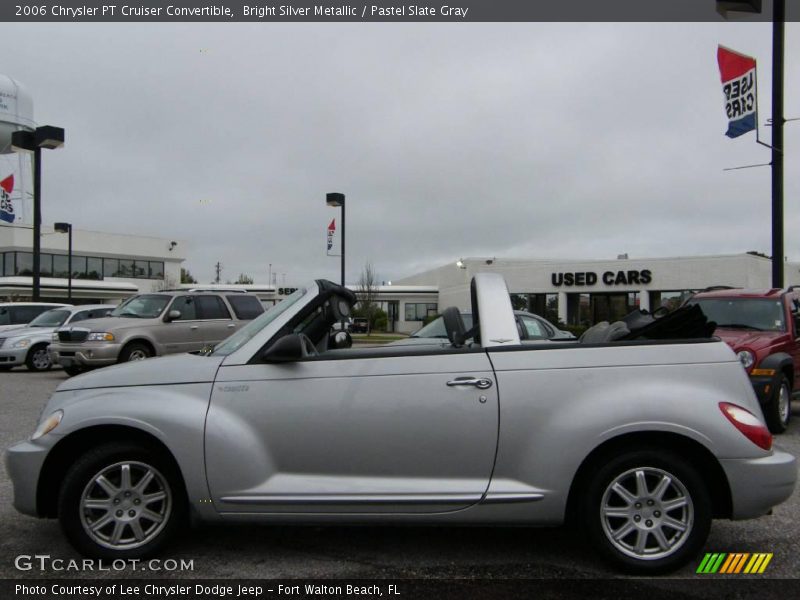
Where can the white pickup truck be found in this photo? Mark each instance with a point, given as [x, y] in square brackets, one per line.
[641, 443]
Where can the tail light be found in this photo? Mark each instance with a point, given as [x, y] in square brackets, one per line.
[750, 425]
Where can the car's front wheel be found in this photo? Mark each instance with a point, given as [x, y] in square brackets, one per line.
[135, 351]
[121, 501]
[38, 358]
[778, 409]
[648, 511]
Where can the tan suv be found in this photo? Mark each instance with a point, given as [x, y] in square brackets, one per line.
[153, 325]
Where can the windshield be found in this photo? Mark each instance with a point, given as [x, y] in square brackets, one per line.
[744, 313]
[146, 306]
[435, 329]
[51, 318]
[246, 333]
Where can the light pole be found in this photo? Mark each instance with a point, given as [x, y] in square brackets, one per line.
[67, 228]
[336, 199]
[51, 138]
[778, 20]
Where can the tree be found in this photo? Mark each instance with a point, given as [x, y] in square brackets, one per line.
[244, 279]
[186, 276]
[367, 294]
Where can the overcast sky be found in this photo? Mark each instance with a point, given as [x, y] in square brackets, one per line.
[449, 140]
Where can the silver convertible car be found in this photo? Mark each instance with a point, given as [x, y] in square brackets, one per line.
[641, 443]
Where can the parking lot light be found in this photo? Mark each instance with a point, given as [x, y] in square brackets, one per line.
[50, 137]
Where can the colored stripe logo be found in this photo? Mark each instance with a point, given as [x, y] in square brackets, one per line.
[734, 563]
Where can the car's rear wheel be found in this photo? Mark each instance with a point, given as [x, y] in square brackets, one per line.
[135, 351]
[648, 511]
[38, 358]
[121, 501]
[778, 410]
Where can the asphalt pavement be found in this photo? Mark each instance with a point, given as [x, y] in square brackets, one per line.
[246, 551]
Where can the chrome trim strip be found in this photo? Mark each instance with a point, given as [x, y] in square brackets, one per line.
[510, 497]
[353, 499]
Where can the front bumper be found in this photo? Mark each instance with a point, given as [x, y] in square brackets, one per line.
[13, 356]
[24, 465]
[97, 354]
[764, 387]
[758, 484]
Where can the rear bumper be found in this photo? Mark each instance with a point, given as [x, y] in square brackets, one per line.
[759, 484]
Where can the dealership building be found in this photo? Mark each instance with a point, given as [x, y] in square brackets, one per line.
[584, 292]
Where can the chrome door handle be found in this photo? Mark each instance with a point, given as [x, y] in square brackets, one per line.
[193, 327]
[482, 383]
[232, 325]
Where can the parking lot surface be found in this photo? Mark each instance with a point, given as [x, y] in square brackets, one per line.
[361, 552]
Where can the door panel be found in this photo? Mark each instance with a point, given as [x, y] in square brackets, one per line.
[368, 435]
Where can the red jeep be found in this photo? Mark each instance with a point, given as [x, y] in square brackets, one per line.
[762, 328]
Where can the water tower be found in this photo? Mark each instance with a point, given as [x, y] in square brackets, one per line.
[16, 113]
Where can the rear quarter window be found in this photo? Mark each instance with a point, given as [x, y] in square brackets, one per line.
[245, 307]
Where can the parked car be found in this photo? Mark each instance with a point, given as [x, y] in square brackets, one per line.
[154, 324]
[641, 442]
[28, 345]
[14, 315]
[761, 326]
[530, 327]
[359, 325]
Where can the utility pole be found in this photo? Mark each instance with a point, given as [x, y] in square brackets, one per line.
[218, 268]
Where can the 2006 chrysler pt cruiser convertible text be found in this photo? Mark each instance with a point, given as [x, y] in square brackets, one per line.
[639, 442]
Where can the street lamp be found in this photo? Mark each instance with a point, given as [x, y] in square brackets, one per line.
[51, 138]
[336, 199]
[67, 228]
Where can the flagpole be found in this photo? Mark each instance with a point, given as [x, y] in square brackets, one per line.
[778, 18]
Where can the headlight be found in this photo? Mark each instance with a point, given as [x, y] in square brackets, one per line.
[103, 336]
[747, 358]
[21, 344]
[48, 424]
[54, 337]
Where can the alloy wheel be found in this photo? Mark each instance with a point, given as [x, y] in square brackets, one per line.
[125, 505]
[647, 513]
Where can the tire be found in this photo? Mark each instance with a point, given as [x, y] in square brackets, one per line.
[159, 508]
[72, 371]
[38, 359]
[778, 410]
[615, 501]
[135, 351]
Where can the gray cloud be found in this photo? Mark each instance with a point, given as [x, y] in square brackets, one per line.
[538, 140]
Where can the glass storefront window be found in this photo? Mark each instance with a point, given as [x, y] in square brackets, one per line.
[24, 263]
[46, 265]
[125, 268]
[156, 270]
[94, 268]
[110, 267]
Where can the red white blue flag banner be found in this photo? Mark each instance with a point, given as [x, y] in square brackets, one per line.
[738, 74]
[331, 235]
[6, 204]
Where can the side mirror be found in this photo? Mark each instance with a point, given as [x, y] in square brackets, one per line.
[173, 315]
[796, 323]
[289, 348]
[342, 339]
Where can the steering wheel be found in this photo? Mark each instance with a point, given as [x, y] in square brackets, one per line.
[307, 346]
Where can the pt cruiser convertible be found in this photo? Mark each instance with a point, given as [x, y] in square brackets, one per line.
[641, 443]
